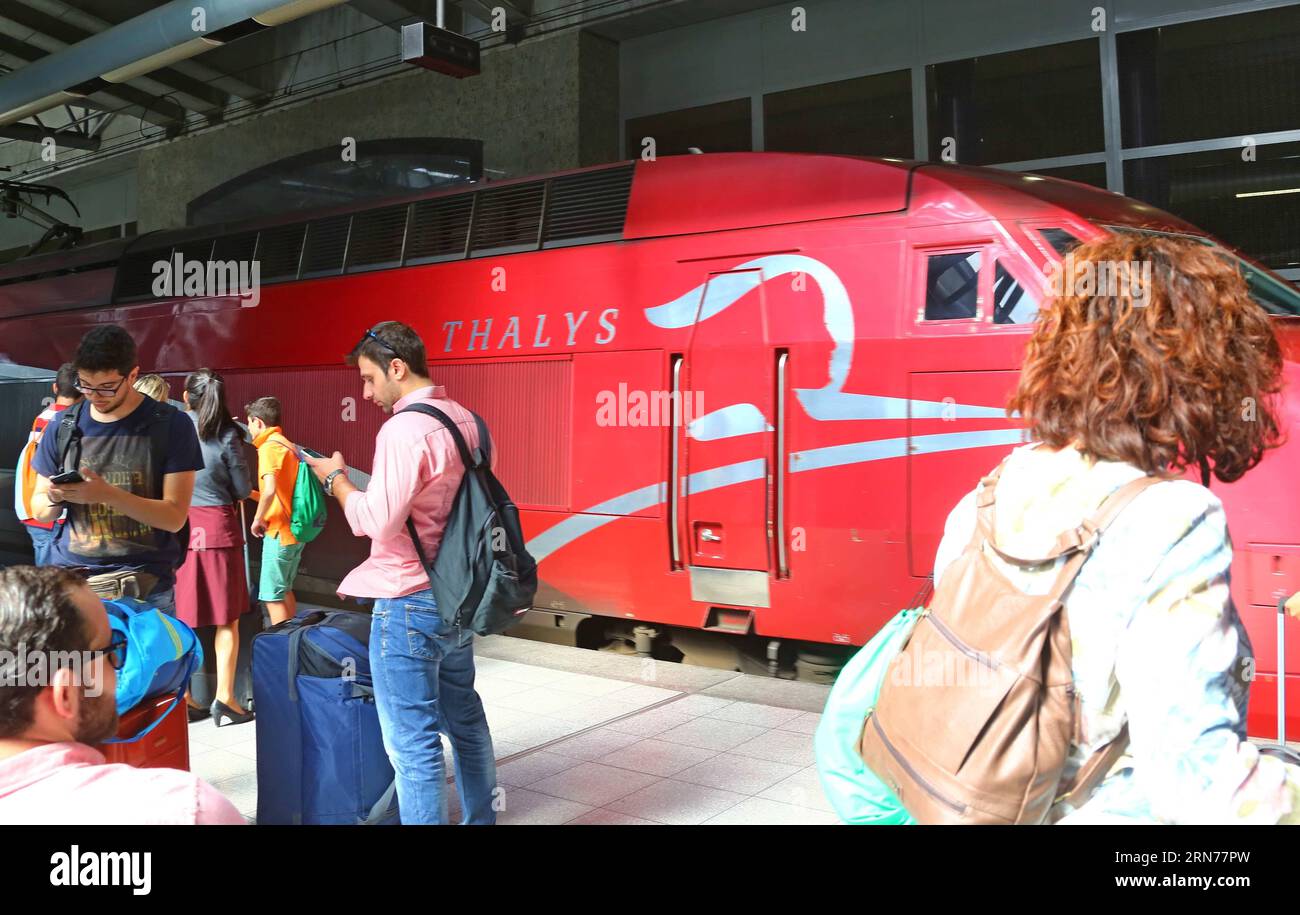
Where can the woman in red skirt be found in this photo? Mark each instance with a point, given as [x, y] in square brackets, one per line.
[211, 589]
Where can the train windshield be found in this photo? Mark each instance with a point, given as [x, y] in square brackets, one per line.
[1273, 295]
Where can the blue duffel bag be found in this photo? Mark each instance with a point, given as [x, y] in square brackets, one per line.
[320, 754]
[162, 654]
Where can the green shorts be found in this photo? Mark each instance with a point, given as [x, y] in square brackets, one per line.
[279, 567]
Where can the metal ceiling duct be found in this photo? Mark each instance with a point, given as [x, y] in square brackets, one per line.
[151, 40]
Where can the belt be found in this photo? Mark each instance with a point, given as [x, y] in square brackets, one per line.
[116, 585]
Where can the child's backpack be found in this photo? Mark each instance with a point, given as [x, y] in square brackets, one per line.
[977, 714]
[308, 516]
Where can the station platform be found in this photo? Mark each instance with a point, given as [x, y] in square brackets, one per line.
[588, 738]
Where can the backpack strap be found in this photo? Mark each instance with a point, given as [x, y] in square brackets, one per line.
[485, 451]
[67, 437]
[1095, 768]
[1079, 538]
[485, 444]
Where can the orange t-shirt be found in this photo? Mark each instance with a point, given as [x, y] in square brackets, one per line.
[276, 455]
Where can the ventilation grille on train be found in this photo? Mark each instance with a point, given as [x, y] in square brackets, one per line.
[588, 207]
[439, 229]
[135, 273]
[584, 208]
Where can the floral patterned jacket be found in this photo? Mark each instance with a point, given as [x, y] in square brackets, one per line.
[1157, 641]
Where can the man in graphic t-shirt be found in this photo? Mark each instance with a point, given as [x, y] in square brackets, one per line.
[138, 458]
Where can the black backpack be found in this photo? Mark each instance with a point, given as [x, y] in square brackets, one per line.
[482, 577]
[67, 445]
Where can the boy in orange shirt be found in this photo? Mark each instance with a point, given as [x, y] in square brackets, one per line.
[277, 472]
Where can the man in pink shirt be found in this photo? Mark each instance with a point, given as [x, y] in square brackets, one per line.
[58, 686]
[423, 669]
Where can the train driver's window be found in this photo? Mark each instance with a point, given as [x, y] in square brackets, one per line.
[1012, 303]
[1061, 240]
[952, 286]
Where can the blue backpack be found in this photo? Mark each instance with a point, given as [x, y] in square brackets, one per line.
[162, 654]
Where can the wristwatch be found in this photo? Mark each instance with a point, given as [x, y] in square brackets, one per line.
[329, 481]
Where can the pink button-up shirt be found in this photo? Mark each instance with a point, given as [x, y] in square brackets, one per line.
[71, 783]
[416, 473]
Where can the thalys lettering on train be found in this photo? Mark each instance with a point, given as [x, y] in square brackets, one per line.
[831, 339]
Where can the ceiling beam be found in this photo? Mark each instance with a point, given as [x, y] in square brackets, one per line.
[69, 139]
[192, 93]
[201, 72]
[124, 98]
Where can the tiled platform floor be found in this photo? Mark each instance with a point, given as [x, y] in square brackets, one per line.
[593, 738]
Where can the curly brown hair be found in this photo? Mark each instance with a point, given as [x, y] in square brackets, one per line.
[1174, 369]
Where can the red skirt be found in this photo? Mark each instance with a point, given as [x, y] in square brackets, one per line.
[211, 589]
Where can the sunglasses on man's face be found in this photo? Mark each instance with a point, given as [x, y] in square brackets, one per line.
[115, 651]
[101, 390]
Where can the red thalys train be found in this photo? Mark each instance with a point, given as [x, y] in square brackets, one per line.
[737, 392]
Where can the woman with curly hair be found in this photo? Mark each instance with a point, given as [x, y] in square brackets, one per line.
[1151, 360]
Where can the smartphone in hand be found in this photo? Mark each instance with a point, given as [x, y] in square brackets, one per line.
[72, 476]
[315, 455]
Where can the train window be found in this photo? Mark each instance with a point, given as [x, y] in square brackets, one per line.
[1062, 242]
[1012, 303]
[952, 286]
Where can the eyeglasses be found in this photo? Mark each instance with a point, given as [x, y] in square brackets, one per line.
[116, 650]
[102, 390]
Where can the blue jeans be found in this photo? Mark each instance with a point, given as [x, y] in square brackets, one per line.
[162, 600]
[424, 685]
[42, 542]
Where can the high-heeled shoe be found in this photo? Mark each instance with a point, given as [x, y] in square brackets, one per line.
[197, 712]
[220, 710]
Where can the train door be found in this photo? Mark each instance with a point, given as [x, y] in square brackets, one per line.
[727, 441]
[973, 299]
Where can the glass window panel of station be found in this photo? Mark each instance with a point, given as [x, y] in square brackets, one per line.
[1094, 174]
[1244, 203]
[866, 116]
[1031, 104]
[721, 127]
[1223, 77]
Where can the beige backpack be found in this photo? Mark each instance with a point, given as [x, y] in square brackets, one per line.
[977, 714]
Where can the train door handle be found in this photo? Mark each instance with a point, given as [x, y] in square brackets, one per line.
[708, 536]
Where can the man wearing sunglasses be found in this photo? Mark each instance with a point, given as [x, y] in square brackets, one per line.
[58, 699]
[138, 459]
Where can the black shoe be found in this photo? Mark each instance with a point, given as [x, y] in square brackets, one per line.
[197, 713]
[220, 710]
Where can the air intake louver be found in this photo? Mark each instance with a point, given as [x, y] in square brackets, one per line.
[279, 250]
[582, 208]
[439, 229]
[377, 238]
[507, 219]
[327, 241]
[135, 274]
[587, 207]
[240, 247]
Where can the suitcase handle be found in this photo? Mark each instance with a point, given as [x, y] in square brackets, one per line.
[1281, 671]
